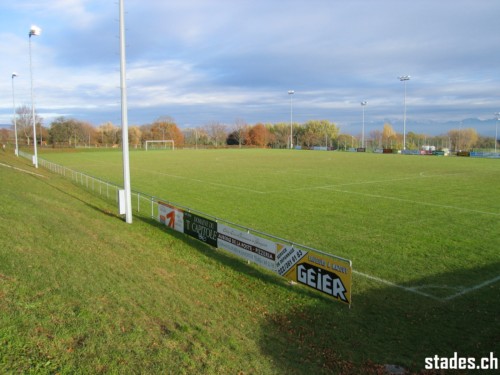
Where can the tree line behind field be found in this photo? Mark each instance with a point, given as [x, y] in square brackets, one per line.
[69, 132]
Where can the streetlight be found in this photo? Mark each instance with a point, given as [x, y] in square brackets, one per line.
[497, 114]
[459, 133]
[34, 31]
[404, 79]
[363, 104]
[125, 150]
[14, 109]
[291, 92]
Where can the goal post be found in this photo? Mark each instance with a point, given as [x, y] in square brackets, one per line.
[167, 144]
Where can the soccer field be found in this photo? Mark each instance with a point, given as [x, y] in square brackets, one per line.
[415, 222]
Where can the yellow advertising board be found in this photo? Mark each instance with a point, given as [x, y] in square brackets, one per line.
[325, 273]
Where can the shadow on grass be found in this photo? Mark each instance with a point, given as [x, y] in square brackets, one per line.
[78, 198]
[384, 325]
[387, 326]
[226, 259]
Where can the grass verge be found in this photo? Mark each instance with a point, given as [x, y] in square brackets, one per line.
[83, 292]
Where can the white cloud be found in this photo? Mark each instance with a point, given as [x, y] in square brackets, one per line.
[238, 58]
[78, 13]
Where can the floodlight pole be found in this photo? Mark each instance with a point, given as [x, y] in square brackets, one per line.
[497, 114]
[291, 92]
[459, 134]
[404, 79]
[125, 146]
[16, 151]
[363, 104]
[34, 31]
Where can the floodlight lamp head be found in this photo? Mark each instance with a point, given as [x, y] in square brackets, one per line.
[35, 30]
[291, 92]
[14, 75]
[404, 78]
[364, 102]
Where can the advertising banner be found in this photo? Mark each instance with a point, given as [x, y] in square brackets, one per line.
[248, 246]
[200, 228]
[287, 258]
[171, 216]
[324, 273]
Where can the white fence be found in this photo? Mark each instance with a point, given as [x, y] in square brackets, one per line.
[142, 203]
[146, 205]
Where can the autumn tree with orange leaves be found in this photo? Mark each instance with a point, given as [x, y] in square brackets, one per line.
[259, 135]
[163, 129]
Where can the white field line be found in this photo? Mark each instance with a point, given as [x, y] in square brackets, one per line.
[417, 202]
[23, 170]
[408, 289]
[476, 287]
[421, 175]
[417, 291]
[208, 182]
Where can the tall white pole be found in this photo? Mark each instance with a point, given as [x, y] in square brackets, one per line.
[291, 92]
[125, 146]
[35, 30]
[404, 120]
[459, 133]
[404, 79]
[496, 130]
[14, 109]
[363, 103]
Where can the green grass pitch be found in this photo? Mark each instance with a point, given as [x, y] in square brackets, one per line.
[414, 221]
[81, 291]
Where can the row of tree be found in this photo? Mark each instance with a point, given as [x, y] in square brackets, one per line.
[69, 132]
[455, 139]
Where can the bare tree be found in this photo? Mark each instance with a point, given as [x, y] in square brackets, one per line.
[24, 122]
[240, 131]
[108, 133]
[134, 135]
[376, 136]
[217, 132]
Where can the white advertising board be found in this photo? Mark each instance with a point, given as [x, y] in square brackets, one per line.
[248, 246]
[170, 216]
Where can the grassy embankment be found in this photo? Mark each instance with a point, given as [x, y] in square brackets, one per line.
[81, 291]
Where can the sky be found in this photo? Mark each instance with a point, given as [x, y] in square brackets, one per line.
[205, 61]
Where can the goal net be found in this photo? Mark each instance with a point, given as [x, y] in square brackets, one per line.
[167, 144]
